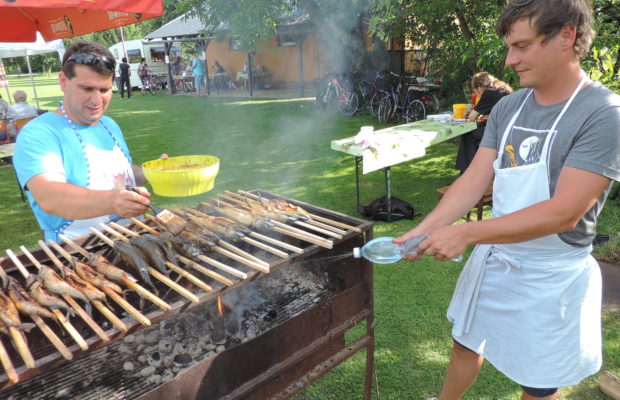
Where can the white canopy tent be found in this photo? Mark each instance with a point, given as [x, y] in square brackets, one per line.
[9, 50]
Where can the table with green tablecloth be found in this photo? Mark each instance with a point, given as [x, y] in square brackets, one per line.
[391, 146]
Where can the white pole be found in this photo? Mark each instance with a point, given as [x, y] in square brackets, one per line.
[123, 42]
[36, 98]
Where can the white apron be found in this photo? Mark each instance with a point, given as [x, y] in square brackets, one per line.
[532, 309]
[107, 170]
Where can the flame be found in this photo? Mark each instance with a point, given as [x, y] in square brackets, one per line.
[219, 305]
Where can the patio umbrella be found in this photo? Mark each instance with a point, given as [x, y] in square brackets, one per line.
[56, 19]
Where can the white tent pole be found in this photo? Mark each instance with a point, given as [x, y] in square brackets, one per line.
[36, 98]
[8, 95]
[123, 42]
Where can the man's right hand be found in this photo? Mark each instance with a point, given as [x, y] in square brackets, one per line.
[128, 203]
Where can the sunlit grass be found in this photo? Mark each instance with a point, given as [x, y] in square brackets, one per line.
[284, 146]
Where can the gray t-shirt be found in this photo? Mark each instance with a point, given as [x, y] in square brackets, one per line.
[587, 137]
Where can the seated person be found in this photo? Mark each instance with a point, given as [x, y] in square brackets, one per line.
[218, 68]
[4, 108]
[21, 109]
[489, 90]
[245, 68]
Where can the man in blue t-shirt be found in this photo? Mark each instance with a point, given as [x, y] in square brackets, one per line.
[74, 162]
[198, 71]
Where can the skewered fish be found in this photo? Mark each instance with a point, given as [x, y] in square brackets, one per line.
[166, 247]
[242, 215]
[152, 252]
[93, 277]
[55, 284]
[43, 297]
[201, 242]
[8, 311]
[103, 266]
[134, 258]
[222, 226]
[182, 245]
[90, 291]
[24, 302]
[285, 207]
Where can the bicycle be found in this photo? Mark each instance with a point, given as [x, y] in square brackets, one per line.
[340, 97]
[370, 93]
[402, 102]
[424, 91]
[152, 84]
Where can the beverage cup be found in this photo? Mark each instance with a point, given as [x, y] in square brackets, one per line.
[459, 111]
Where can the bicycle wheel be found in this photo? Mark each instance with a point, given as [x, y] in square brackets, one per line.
[385, 111]
[415, 111]
[347, 102]
[375, 98]
[432, 104]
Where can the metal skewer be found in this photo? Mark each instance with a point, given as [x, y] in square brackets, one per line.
[78, 309]
[125, 281]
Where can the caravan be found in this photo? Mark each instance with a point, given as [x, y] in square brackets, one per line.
[154, 54]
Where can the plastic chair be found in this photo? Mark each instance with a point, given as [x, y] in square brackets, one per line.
[19, 123]
[5, 134]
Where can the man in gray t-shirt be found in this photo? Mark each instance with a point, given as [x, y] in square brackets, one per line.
[529, 298]
[586, 138]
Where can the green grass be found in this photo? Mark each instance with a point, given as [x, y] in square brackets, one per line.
[284, 146]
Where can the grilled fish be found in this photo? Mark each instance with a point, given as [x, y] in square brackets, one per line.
[242, 215]
[103, 266]
[182, 245]
[134, 258]
[55, 284]
[87, 273]
[166, 247]
[8, 311]
[151, 252]
[43, 297]
[24, 302]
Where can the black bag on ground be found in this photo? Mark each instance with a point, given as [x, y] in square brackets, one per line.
[377, 209]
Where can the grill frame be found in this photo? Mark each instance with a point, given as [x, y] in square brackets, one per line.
[294, 364]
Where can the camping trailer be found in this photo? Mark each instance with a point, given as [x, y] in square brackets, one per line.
[154, 54]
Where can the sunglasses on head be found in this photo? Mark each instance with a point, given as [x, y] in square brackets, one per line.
[92, 59]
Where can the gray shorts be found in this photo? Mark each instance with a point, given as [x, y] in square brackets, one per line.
[199, 81]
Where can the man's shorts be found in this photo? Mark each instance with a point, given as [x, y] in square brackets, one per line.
[199, 81]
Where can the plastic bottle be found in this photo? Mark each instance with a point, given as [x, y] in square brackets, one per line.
[382, 250]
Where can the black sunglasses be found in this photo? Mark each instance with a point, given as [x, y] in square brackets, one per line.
[92, 59]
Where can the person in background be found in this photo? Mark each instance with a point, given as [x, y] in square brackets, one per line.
[125, 73]
[489, 90]
[73, 162]
[218, 68]
[176, 66]
[143, 72]
[20, 109]
[529, 298]
[4, 108]
[198, 71]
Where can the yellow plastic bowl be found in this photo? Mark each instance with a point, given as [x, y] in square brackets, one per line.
[182, 176]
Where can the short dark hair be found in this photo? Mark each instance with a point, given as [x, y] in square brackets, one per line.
[124, 59]
[83, 46]
[549, 17]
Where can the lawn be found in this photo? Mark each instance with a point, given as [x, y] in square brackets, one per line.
[284, 146]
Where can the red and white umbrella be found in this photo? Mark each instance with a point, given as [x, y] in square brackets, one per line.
[20, 20]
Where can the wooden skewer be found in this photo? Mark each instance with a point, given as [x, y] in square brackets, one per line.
[156, 274]
[246, 239]
[279, 243]
[265, 247]
[206, 271]
[326, 226]
[11, 374]
[242, 253]
[19, 339]
[127, 282]
[109, 292]
[223, 267]
[47, 331]
[131, 284]
[300, 234]
[78, 309]
[110, 316]
[311, 215]
[144, 226]
[189, 277]
[242, 260]
[318, 229]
